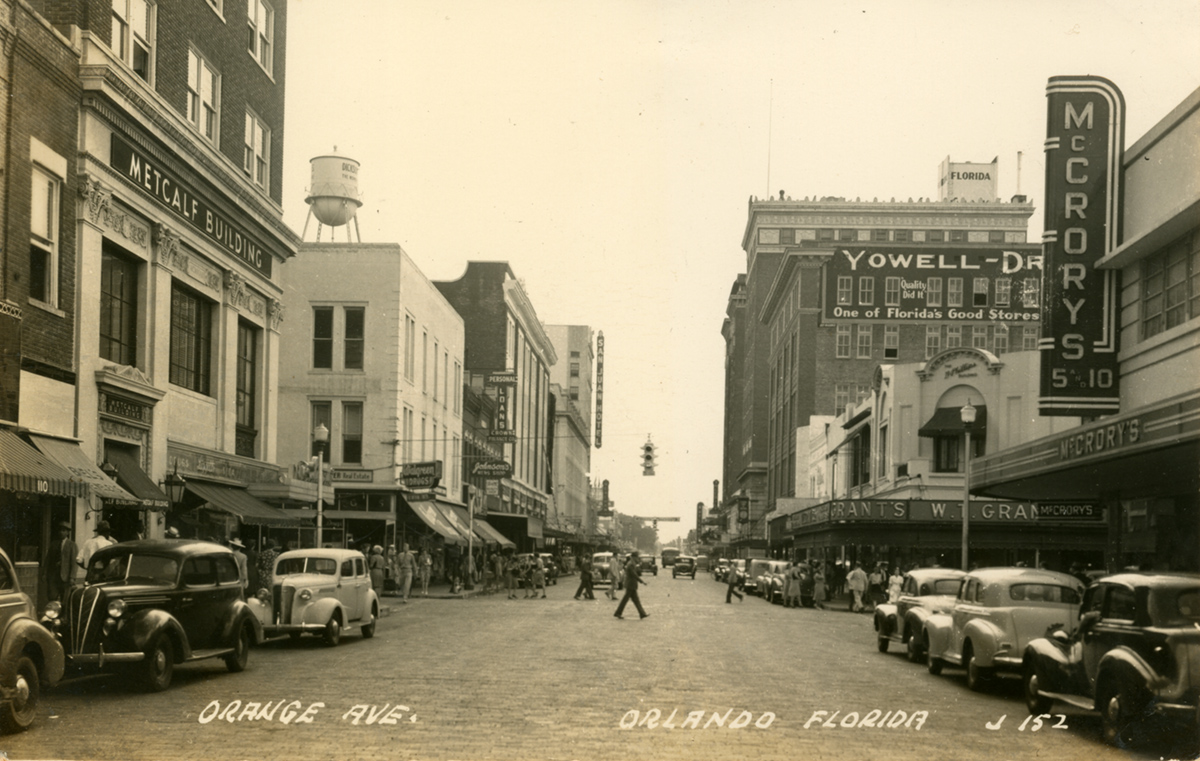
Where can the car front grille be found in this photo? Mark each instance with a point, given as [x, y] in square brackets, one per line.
[87, 608]
[282, 598]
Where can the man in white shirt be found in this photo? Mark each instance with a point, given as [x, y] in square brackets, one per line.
[103, 538]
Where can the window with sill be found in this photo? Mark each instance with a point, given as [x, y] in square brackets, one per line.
[118, 305]
[1171, 286]
[191, 339]
[260, 23]
[247, 385]
[46, 196]
[355, 341]
[133, 34]
[352, 433]
[203, 96]
[256, 159]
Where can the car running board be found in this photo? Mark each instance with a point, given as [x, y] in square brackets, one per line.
[1074, 700]
[212, 652]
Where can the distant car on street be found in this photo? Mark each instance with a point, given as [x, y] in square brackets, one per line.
[1135, 653]
[925, 592]
[30, 656]
[772, 581]
[702, 562]
[719, 568]
[685, 565]
[319, 591]
[600, 574]
[668, 557]
[755, 568]
[153, 603]
[996, 613]
[649, 565]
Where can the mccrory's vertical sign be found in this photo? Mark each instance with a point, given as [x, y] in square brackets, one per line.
[1085, 136]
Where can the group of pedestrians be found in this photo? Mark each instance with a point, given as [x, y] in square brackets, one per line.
[869, 590]
[631, 579]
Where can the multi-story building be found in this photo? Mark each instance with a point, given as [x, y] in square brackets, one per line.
[832, 288]
[571, 386]
[376, 356]
[508, 356]
[1141, 462]
[170, 199]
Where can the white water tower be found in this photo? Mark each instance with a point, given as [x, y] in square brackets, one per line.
[333, 194]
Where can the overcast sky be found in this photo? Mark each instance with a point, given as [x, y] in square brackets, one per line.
[607, 151]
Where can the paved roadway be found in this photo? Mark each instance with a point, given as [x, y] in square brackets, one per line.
[488, 678]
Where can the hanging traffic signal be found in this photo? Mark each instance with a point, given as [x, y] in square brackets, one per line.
[648, 458]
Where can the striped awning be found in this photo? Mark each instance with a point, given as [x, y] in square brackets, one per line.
[24, 469]
[69, 455]
[237, 501]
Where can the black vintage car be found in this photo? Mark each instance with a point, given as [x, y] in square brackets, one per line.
[150, 604]
[1135, 653]
[29, 655]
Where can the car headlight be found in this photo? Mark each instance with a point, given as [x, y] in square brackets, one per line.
[52, 611]
[116, 608]
[305, 595]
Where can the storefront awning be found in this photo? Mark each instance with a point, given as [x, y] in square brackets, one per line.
[427, 511]
[69, 455]
[237, 501]
[947, 421]
[131, 476]
[553, 533]
[25, 469]
[457, 517]
[495, 537]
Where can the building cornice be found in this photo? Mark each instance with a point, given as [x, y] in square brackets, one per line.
[518, 302]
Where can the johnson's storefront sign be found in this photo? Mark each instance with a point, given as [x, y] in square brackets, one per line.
[1085, 134]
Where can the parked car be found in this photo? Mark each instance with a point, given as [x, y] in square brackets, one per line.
[737, 566]
[30, 656]
[155, 603]
[317, 591]
[649, 564]
[1135, 653]
[925, 592]
[755, 568]
[702, 562]
[685, 565]
[772, 581]
[996, 613]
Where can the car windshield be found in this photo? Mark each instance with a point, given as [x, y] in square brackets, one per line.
[324, 566]
[1043, 593]
[942, 587]
[129, 566]
[1176, 607]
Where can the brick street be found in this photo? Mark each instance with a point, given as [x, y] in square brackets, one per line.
[488, 678]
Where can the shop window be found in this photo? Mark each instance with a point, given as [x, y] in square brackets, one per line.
[933, 292]
[191, 339]
[843, 341]
[118, 306]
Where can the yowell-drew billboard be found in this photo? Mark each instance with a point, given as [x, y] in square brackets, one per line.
[868, 283]
[1085, 135]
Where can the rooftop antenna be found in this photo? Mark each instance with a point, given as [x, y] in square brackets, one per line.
[1019, 154]
[770, 123]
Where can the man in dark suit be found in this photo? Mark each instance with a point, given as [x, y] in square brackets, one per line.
[59, 564]
[633, 577]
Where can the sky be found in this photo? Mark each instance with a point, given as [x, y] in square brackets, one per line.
[607, 151]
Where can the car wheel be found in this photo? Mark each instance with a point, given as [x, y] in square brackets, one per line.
[1031, 683]
[236, 661]
[1118, 712]
[913, 648]
[932, 662]
[159, 665]
[333, 631]
[368, 630]
[18, 713]
[977, 675]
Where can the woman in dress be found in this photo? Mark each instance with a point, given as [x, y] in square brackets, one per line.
[895, 582]
[424, 570]
[376, 565]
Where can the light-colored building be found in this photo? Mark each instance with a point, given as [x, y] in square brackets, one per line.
[375, 354]
[572, 386]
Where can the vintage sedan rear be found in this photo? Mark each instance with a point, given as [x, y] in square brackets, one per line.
[318, 591]
[925, 592]
[151, 604]
[997, 612]
[1135, 654]
[30, 656]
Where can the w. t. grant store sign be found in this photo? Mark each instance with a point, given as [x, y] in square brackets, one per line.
[922, 523]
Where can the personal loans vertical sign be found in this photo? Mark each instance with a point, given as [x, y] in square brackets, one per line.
[1085, 135]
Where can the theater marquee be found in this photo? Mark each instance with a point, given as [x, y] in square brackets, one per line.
[1085, 134]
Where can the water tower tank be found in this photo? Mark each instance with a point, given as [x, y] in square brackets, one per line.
[333, 192]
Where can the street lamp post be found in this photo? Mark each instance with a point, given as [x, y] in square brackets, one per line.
[320, 438]
[968, 419]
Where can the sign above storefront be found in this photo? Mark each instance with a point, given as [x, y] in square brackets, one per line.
[868, 283]
[172, 193]
[501, 379]
[342, 474]
[492, 469]
[923, 510]
[1085, 136]
[421, 475]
